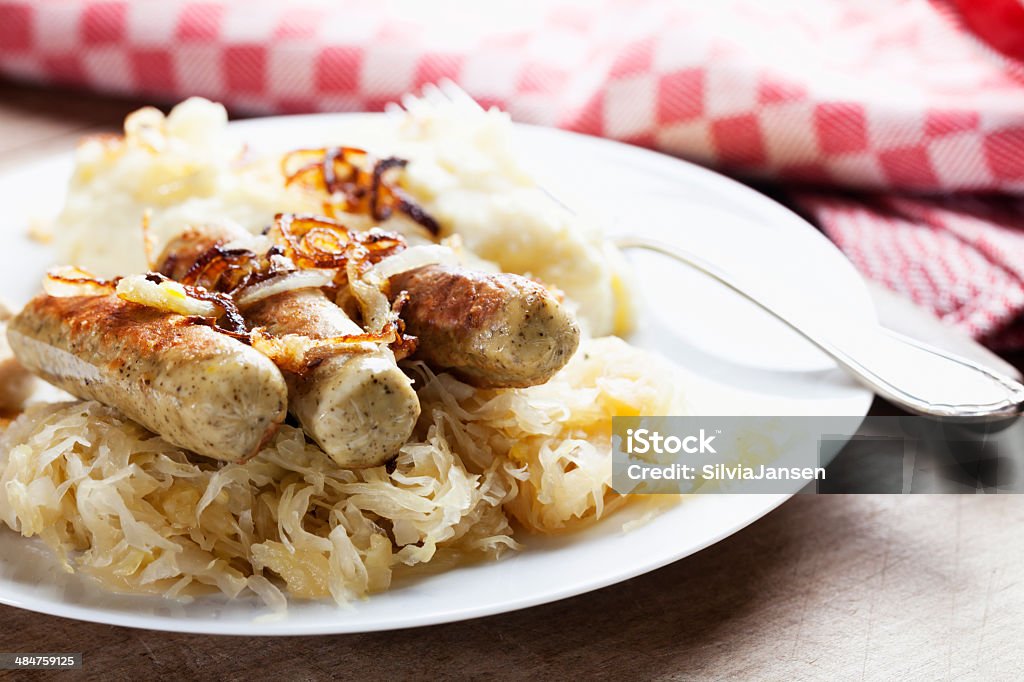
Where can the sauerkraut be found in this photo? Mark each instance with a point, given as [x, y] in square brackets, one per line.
[119, 504]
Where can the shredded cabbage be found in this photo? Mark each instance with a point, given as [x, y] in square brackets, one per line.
[558, 435]
[121, 505]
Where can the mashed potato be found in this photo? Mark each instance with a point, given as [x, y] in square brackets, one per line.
[183, 169]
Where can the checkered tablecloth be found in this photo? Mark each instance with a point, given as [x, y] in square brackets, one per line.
[893, 127]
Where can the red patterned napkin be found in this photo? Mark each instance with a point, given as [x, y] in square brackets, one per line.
[892, 102]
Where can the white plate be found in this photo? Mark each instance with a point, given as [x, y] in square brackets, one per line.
[737, 361]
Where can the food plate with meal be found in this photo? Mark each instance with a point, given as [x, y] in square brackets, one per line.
[352, 372]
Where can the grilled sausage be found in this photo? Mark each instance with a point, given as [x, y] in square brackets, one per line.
[192, 385]
[493, 330]
[359, 407]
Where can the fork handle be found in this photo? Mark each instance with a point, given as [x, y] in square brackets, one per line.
[919, 378]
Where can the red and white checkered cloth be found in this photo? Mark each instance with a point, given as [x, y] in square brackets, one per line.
[892, 98]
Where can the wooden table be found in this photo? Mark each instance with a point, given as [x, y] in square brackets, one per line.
[826, 587]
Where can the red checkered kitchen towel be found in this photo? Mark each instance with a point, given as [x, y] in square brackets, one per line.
[910, 127]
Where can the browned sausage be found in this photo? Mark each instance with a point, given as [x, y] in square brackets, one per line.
[358, 406]
[192, 385]
[493, 330]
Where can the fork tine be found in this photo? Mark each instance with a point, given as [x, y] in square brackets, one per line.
[444, 94]
[412, 103]
[434, 96]
[457, 95]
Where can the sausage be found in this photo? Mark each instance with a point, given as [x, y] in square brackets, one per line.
[359, 407]
[195, 387]
[493, 330]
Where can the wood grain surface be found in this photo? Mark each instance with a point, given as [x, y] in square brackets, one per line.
[824, 588]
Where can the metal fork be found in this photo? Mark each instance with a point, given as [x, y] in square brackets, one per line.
[918, 377]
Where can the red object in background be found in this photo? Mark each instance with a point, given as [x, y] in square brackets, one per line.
[1000, 23]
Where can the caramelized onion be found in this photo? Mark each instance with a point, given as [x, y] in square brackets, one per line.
[405, 345]
[164, 295]
[234, 323]
[299, 354]
[307, 252]
[354, 182]
[68, 281]
[317, 242]
[148, 240]
[300, 279]
[414, 258]
[223, 270]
